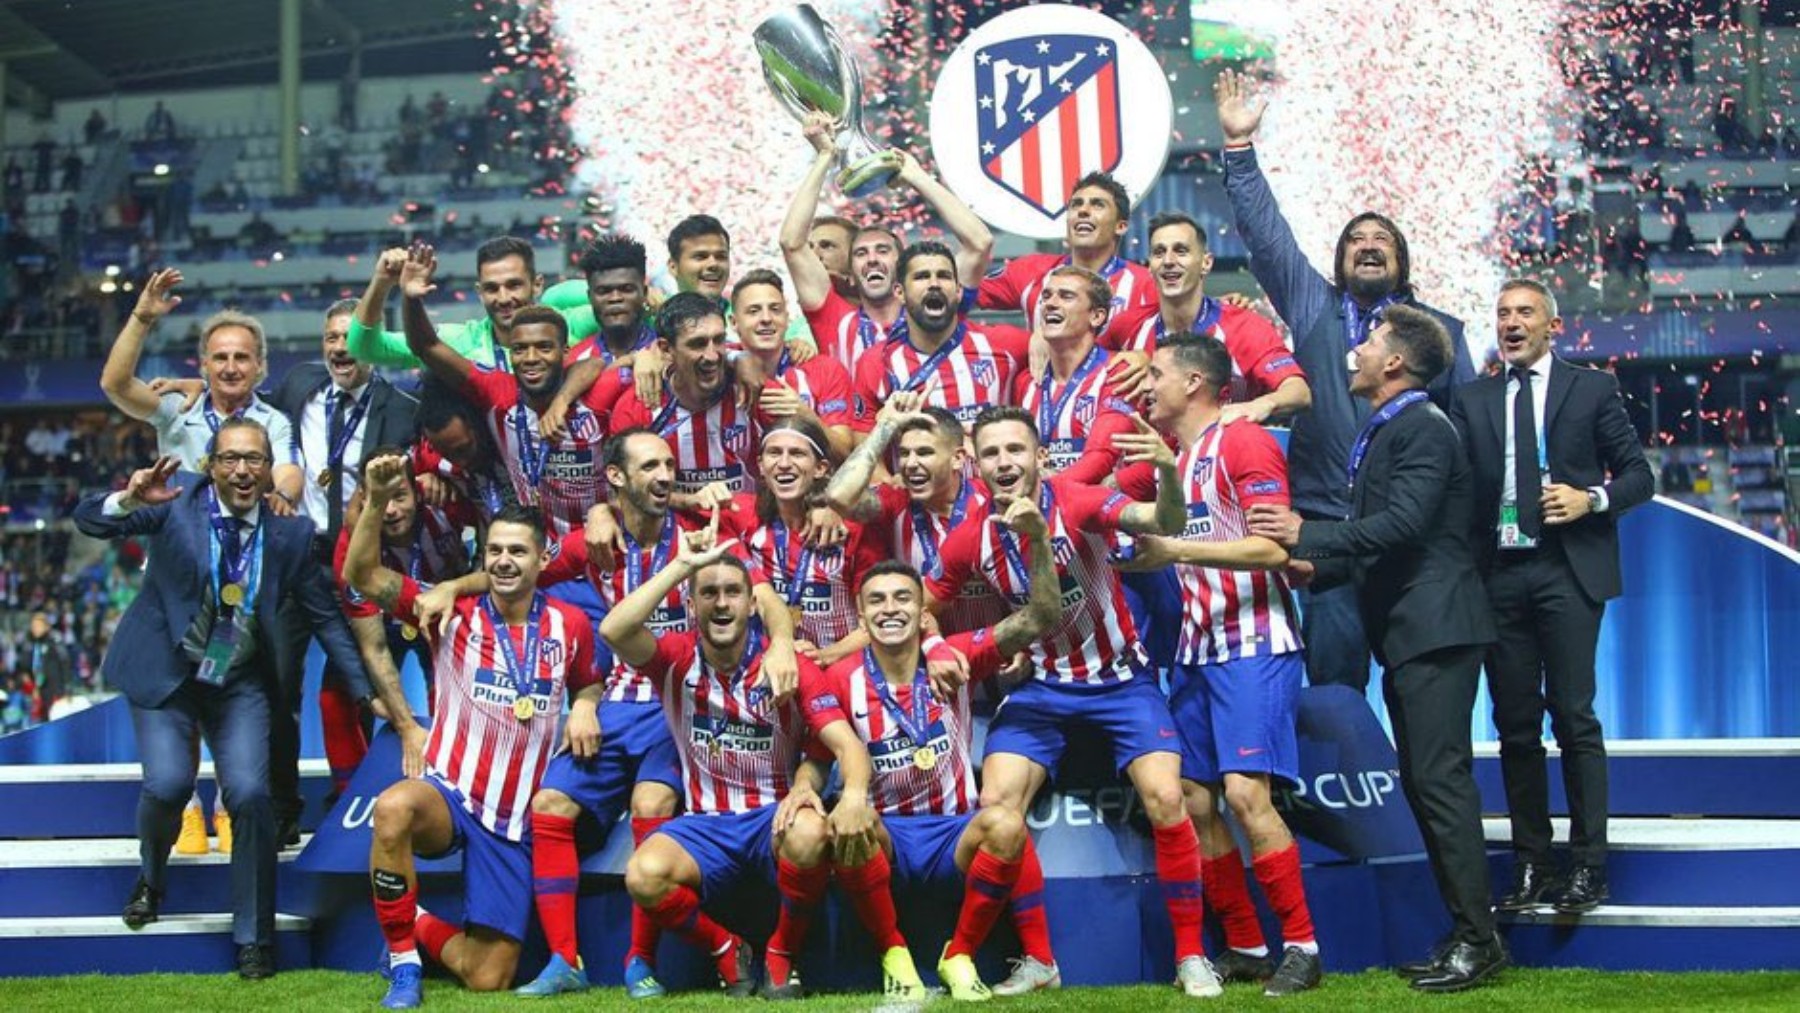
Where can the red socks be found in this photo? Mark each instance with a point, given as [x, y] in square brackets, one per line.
[801, 891]
[1227, 892]
[985, 893]
[555, 875]
[1178, 871]
[1028, 907]
[396, 915]
[680, 913]
[866, 887]
[341, 724]
[433, 934]
[645, 933]
[1279, 874]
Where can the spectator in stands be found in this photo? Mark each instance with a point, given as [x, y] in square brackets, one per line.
[160, 124]
[257, 233]
[71, 170]
[48, 661]
[42, 153]
[409, 112]
[179, 198]
[95, 127]
[15, 176]
[1733, 139]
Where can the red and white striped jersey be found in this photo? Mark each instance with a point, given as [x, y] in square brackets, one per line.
[477, 744]
[436, 555]
[827, 596]
[976, 604]
[823, 385]
[1228, 614]
[1019, 285]
[738, 750]
[973, 370]
[1260, 359]
[844, 332]
[1077, 418]
[565, 478]
[846, 692]
[1095, 642]
[716, 444]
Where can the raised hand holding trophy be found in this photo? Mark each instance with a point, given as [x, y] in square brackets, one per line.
[808, 69]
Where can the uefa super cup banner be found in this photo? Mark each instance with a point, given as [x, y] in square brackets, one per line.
[1038, 97]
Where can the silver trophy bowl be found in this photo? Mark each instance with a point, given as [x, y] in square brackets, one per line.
[809, 70]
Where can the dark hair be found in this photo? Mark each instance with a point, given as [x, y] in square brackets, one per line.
[732, 560]
[891, 566]
[614, 454]
[390, 450]
[693, 227]
[440, 404]
[814, 433]
[1113, 188]
[612, 252]
[760, 276]
[518, 513]
[923, 248]
[1004, 413]
[502, 247]
[1099, 290]
[940, 422]
[683, 310]
[1423, 343]
[1203, 354]
[883, 229]
[341, 307]
[1164, 219]
[538, 313]
[1401, 254]
[240, 422]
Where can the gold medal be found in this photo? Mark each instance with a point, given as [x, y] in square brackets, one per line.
[232, 594]
[713, 747]
[796, 613]
[523, 708]
[925, 758]
[325, 479]
[409, 631]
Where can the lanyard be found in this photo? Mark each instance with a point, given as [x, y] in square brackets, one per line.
[922, 532]
[666, 420]
[239, 567]
[923, 374]
[1210, 312]
[339, 441]
[916, 725]
[634, 553]
[1382, 417]
[1049, 412]
[1357, 324]
[1009, 545]
[778, 533]
[645, 335]
[752, 644]
[532, 452]
[212, 417]
[521, 676]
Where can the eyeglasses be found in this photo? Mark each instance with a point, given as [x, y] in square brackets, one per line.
[232, 461]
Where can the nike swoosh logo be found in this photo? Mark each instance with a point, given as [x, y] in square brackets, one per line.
[1167, 733]
[1248, 752]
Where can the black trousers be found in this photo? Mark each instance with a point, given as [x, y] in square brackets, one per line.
[294, 636]
[1430, 702]
[1544, 659]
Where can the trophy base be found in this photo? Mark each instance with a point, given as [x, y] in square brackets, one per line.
[869, 176]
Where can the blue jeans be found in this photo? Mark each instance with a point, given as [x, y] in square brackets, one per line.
[1337, 648]
[234, 719]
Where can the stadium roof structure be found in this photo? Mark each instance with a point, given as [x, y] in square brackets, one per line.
[56, 49]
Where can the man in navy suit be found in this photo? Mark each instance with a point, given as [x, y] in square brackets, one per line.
[195, 655]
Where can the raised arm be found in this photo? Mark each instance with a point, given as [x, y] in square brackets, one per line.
[363, 569]
[118, 377]
[1167, 515]
[626, 628]
[369, 340]
[1020, 629]
[421, 334]
[850, 491]
[812, 283]
[974, 242]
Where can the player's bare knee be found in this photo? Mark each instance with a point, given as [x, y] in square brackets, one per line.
[550, 802]
[807, 842]
[1248, 797]
[649, 876]
[1163, 802]
[391, 822]
[1002, 831]
[650, 803]
[492, 974]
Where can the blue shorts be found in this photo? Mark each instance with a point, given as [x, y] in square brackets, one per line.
[1237, 717]
[496, 871]
[634, 746]
[925, 846]
[1034, 719]
[726, 845]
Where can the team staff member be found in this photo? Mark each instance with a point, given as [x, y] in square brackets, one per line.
[1236, 682]
[1405, 549]
[504, 661]
[1328, 318]
[1556, 461]
[194, 655]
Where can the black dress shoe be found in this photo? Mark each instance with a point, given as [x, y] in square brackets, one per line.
[287, 832]
[1416, 968]
[1533, 883]
[1464, 965]
[255, 962]
[143, 906]
[1585, 890]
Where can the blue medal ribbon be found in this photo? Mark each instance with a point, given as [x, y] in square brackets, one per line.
[212, 417]
[232, 561]
[339, 441]
[928, 368]
[1048, 411]
[666, 420]
[532, 453]
[916, 725]
[1385, 414]
[1357, 323]
[644, 337]
[797, 583]
[1009, 543]
[1210, 312]
[520, 676]
[921, 518]
[634, 553]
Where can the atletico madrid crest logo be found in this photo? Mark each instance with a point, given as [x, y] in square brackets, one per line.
[1084, 410]
[1049, 112]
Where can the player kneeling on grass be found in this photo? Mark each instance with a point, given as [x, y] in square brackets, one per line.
[906, 751]
[503, 660]
[752, 806]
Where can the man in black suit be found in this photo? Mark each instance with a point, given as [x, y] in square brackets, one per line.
[340, 409]
[1406, 548]
[1552, 472]
[195, 655]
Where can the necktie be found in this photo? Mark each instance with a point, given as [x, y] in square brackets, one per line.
[231, 543]
[1526, 480]
[334, 493]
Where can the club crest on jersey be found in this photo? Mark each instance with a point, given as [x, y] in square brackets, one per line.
[982, 371]
[1063, 549]
[736, 438]
[1042, 99]
[1203, 469]
[584, 426]
[1085, 406]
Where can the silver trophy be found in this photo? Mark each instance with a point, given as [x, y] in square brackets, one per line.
[809, 70]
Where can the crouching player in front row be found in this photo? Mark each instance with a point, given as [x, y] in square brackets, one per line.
[876, 710]
[752, 806]
[503, 662]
